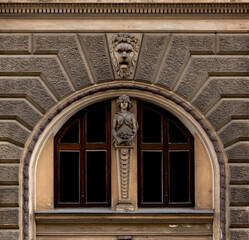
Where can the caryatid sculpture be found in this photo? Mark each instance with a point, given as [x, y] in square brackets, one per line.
[124, 130]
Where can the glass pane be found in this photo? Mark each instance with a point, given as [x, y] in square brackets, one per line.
[96, 176]
[179, 176]
[71, 135]
[175, 134]
[152, 176]
[96, 125]
[152, 126]
[69, 176]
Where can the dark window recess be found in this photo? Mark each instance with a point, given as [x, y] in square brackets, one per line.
[152, 176]
[165, 159]
[152, 126]
[82, 159]
[71, 135]
[175, 134]
[179, 176]
[69, 176]
[96, 176]
[96, 125]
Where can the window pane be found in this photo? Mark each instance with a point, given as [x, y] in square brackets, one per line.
[96, 125]
[152, 176]
[71, 135]
[96, 176]
[152, 125]
[179, 176]
[175, 134]
[69, 176]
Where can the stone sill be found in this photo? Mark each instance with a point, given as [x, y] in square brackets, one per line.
[103, 215]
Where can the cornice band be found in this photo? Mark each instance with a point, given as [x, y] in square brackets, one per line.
[112, 9]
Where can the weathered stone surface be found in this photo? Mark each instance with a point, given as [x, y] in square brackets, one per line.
[9, 196]
[226, 109]
[31, 86]
[237, 129]
[20, 108]
[66, 46]
[201, 66]
[180, 49]
[9, 234]
[233, 43]
[238, 152]
[9, 173]
[150, 53]
[9, 151]
[239, 195]
[241, 234]
[19, 43]
[48, 67]
[95, 47]
[13, 131]
[239, 173]
[8, 217]
[239, 217]
[217, 86]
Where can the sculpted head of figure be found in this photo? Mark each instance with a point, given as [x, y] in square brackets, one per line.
[124, 102]
[124, 52]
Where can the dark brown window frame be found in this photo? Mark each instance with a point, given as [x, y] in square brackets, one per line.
[83, 147]
[165, 147]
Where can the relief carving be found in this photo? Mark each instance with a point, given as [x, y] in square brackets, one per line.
[124, 130]
[124, 53]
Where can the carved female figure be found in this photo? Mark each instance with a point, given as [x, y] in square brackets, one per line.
[124, 123]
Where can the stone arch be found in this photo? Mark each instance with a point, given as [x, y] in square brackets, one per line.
[113, 90]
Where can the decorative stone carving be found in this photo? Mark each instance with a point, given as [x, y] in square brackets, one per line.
[124, 53]
[124, 130]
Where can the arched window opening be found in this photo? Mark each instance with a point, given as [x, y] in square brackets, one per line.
[165, 157]
[82, 159]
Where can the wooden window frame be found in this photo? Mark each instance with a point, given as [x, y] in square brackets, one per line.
[165, 147]
[83, 147]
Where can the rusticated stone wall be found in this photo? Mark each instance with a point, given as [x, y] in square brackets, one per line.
[209, 70]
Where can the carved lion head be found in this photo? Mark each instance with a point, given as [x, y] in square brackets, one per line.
[124, 52]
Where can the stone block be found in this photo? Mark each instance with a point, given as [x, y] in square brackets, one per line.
[181, 47]
[47, 67]
[222, 112]
[239, 217]
[8, 217]
[9, 174]
[33, 87]
[67, 48]
[238, 152]
[239, 195]
[233, 43]
[151, 52]
[235, 130]
[200, 67]
[9, 152]
[20, 108]
[18, 43]
[217, 86]
[9, 196]
[96, 49]
[9, 234]
[13, 131]
[239, 173]
[239, 234]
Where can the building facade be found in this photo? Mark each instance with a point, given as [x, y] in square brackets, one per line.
[124, 120]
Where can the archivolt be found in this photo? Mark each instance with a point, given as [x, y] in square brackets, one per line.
[125, 86]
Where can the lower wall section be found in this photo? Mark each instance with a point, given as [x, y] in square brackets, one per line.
[150, 225]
